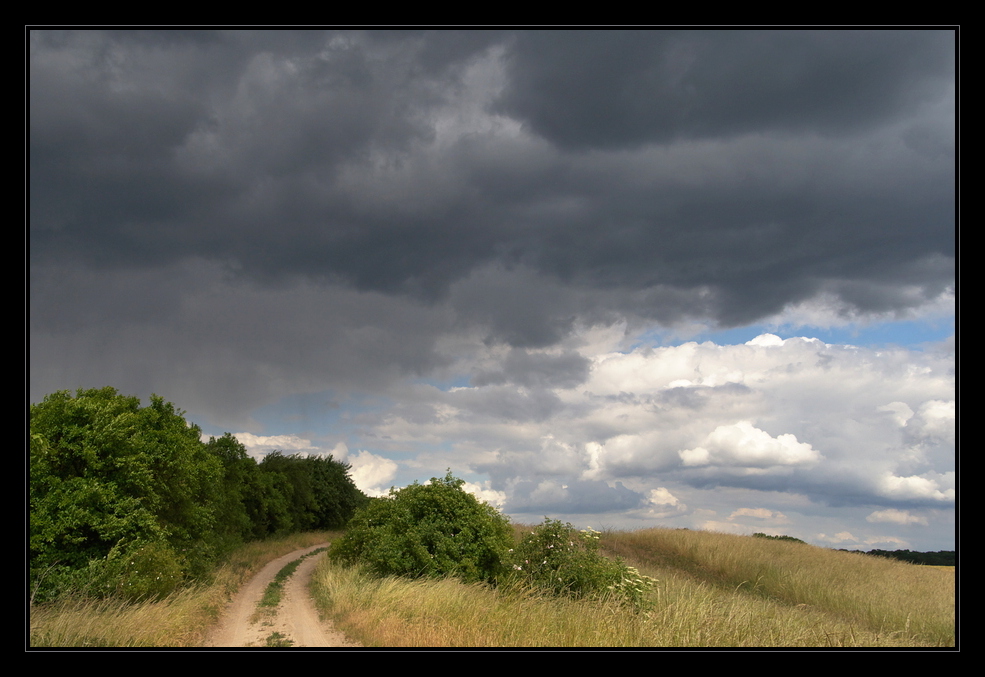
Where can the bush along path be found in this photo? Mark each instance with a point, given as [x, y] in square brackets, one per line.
[277, 611]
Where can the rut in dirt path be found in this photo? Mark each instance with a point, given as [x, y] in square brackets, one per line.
[296, 618]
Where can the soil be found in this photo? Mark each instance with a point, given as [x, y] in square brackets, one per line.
[296, 620]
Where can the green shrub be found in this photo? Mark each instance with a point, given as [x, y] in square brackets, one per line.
[562, 561]
[106, 474]
[778, 538]
[435, 529]
[143, 571]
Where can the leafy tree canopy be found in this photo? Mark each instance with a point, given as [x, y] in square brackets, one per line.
[122, 494]
[107, 474]
[433, 529]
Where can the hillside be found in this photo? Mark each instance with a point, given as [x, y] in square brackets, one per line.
[713, 590]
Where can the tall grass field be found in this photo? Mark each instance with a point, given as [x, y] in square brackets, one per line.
[182, 619]
[712, 590]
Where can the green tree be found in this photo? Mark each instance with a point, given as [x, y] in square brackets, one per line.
[297, 486]
[336, 496]
[128, 499]
[239, 471]
[435, 529]
[315, 492]
[108, 476]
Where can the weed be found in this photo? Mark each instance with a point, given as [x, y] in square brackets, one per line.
[276, 639]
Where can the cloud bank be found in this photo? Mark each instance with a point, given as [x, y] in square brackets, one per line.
[474, 249]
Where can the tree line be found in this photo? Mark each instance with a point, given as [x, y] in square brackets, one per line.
[130, 500]
[941, 558]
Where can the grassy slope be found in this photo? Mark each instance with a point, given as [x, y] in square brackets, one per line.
[714, 590]
[882, 596]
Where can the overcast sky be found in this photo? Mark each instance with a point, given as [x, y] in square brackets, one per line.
[626, 279]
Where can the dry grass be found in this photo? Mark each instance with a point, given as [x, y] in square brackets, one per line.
[714, 590]
[180, 620]
[880, 595]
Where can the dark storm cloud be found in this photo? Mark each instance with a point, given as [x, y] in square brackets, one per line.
[507, 403]
[196, 336]
[537, 370]
[590, 89]
[517, 183]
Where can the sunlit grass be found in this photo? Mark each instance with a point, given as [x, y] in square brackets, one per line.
[713, 590]
[180, 620]
[884, 596]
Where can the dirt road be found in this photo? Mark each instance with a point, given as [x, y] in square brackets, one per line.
[296, 618]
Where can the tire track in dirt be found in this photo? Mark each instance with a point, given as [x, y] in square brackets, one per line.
[296, 617]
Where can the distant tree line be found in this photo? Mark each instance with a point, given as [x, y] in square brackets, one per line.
[939, 558]
[945, 558]
[129, 500]
[779, 538]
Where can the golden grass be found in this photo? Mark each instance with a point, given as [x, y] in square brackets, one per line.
[713, 590]
[883, 596]
[180, 620]
[446, 613]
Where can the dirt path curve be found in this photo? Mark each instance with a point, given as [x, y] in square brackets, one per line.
[296, 618]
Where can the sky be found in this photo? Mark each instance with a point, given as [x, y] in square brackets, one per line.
[695, 279]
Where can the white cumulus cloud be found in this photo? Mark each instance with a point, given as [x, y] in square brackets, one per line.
[916, 487]
[759, 513]
[742, 444]
[484, 493]
[894, 516]
[372, 473]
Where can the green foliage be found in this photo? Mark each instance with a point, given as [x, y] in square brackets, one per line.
[779, 538]
[318, 493]
[233, 518]
[128, 500]
[435, 529]
[943, 558]
[106, 471]
[144, 571]
[562, 561]
[277, 640]
[303, 493]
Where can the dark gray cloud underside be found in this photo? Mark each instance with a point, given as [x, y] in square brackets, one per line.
[666, 174]
[586, 89]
